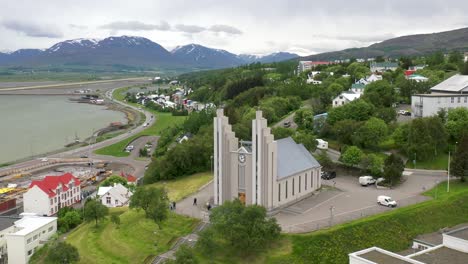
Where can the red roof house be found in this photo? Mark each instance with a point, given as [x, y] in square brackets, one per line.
[47, 196]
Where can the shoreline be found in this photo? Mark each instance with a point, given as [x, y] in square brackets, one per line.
[111, 106]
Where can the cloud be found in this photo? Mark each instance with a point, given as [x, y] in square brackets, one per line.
[189, 28]
[135, 26]
[226, 29]
[74, 26]
[32, 30]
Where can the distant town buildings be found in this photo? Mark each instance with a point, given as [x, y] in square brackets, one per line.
[383, 66]
[47, 196]
[21, 236]
[309, 65]
[268, 172]
[450, 93]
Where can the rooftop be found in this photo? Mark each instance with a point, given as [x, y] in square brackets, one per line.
[379, 257]
[457, 83]
[50, 183]
[7, 221]
[293, 158]
[386, 64]
[442, 255]
[461, 233]
[30, 223]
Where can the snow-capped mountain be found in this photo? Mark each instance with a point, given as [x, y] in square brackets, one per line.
[129, 51]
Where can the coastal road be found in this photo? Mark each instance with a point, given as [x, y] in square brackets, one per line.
[138, 165]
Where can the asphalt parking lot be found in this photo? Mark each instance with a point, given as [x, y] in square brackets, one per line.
[342, 199]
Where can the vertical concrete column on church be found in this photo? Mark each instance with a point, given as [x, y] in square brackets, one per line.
[258, 124]
[216, 168]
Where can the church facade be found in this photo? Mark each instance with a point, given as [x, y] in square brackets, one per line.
[264, 171]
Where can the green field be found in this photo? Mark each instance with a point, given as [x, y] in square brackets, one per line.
[438, 163]
[180, 188]
[135, 240]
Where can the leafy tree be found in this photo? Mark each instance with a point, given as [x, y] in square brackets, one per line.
[62, 252]
[94, 210]
[324, 159]
[373, 164]
[115, 219]
[358, 110]
[459, 163]
[393, 169]
[457, 122]
[464, 68]
[206, 242]
[184, 255]
[70, 220]
[435, 59]
[307, 139]
[426, 137]
[357, 70]
[380, 94]
[114, 179]
[153, 201]
[387, 114]
[352, 156]
[143, 152]
[245, 229]
[282, 132]
[371, 133]
[304, 118]
[344, 130]
[455, 57]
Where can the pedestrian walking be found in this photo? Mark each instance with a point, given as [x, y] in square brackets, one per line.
[208, 207]
[170, 207]
[195, 201]
[174, 205]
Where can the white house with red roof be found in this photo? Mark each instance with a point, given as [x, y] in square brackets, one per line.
[47, 196]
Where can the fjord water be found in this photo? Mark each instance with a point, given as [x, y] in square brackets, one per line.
[31, 125]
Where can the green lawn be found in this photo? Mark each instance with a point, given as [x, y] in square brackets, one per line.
[180, 188]
[438, 163]
[163, 121]
[136, 239]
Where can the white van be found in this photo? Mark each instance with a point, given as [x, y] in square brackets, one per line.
[366, 180]
[322, 144]
[386, 201]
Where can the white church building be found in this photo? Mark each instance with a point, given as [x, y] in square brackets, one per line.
[268, 172]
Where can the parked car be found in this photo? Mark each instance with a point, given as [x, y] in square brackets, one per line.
[129, 148]
[328, 175]
[45, 159]
[366, 180]
[404, 112]
[84, 156]
[386, 201]
[287, 124]
[379, 180]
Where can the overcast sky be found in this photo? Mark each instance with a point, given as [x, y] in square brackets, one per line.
[240, 26]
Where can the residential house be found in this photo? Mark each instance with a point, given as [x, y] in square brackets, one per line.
[27, 235]
[184, 137]
[344, 98]
[47, 196]
[114, 196]
[373, 77]
[453, 250]
[383, 66]
[312, 81]
[358, 88]
[417, 78]
[450, 93]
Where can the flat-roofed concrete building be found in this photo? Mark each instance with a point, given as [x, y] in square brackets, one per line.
[453, 250]
[264, 171]
[448, 94]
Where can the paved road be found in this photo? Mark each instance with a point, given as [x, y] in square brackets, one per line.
[289, 118]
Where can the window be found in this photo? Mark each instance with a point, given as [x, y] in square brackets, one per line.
[459, 98]
[305, 184]
[51, 201]
[35, 237]
[293, 187]
[43, 231]
[30, 252]
[108, 200]
[55, 198]
[299, 184]
[29, 240]
[116, 201]
[286, 192]
[452, 100]
[52, 211]
[51, 228]
[279, 192]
